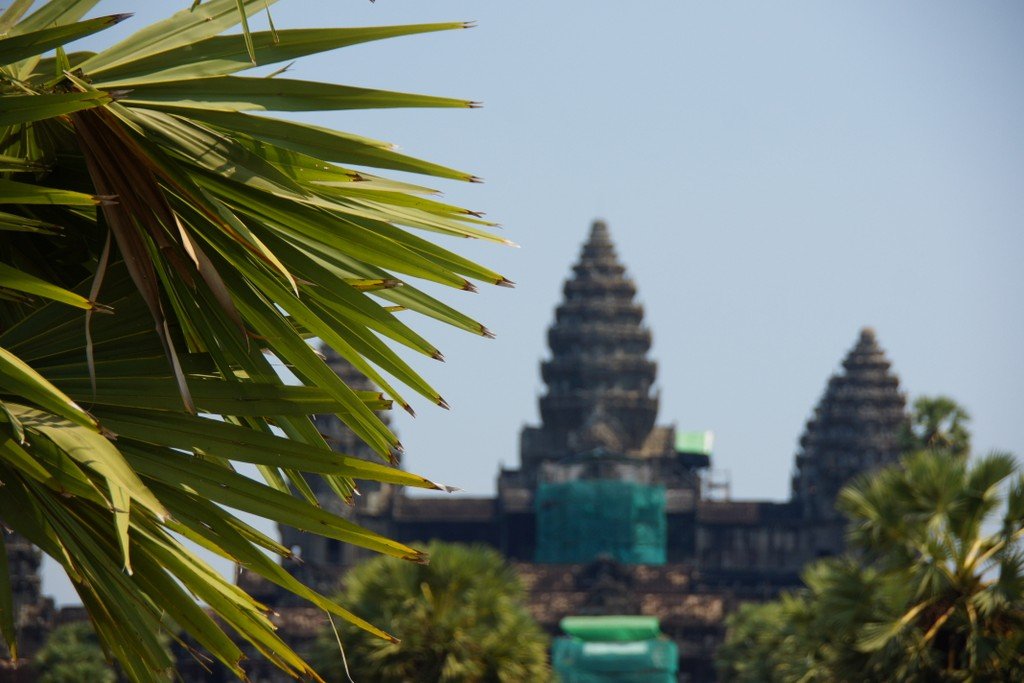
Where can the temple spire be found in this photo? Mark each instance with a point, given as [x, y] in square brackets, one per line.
[599, 378]
[855, 428]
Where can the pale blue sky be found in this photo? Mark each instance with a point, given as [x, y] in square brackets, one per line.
[775, 175]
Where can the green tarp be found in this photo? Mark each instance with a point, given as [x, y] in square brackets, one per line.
[579, 521]
[597, 650]
[611, 628]
[695, 442]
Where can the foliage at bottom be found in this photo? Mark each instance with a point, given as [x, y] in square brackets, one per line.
[460, 618]
[933, 589]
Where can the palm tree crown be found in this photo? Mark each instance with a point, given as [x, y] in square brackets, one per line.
[165, 243]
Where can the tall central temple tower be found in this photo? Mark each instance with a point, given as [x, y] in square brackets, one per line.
[598, 477]
[599, 379]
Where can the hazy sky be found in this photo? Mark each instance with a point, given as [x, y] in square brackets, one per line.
[775, 176]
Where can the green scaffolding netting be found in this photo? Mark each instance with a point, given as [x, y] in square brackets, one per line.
[611, 627]
[597, 651]
[579, 521]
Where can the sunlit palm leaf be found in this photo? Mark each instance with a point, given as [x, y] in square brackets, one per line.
[218, 241]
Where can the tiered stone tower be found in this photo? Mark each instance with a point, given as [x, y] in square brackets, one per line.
[340, 437]
[33, 613]
[855, 428]
[598, 432]
[320, 559]
[599, 378]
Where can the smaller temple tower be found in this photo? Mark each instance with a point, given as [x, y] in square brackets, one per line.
[855, 428]
[34, 614]
[320, 561]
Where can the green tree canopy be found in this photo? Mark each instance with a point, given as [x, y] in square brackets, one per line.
[938, 423]
[933, 589]
[72, 654]
[462, 618]
[165, 242]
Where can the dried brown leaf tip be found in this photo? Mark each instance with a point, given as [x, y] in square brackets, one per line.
[486, 332]
[437, 355]
[443, 403]
[418, 556]
[504, 281]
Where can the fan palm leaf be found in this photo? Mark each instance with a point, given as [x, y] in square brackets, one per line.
[162, 251]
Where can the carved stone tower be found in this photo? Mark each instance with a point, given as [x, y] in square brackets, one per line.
[599, 379]
[33, 613]
[321, 558]
[598, 446]
[855, 428]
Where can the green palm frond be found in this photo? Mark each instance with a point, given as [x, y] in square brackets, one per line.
[162, 250]
[931, 591]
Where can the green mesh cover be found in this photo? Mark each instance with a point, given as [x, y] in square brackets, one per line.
[611, 627]
[640, 661]
[579, 521]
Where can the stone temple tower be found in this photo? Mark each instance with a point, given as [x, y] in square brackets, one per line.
[321, 559]
[599, 379]
[33, 613]
[598, 477]
[855, 428]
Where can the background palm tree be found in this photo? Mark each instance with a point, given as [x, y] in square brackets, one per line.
[72, 654]
[925, 526]
[932, 589]
[938, 423]
[460, 618]
[162, 247]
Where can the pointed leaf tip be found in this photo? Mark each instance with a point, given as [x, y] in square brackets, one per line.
[472, 23]
[445, 487]
[419, 557]
[437, 355]
[475, 179]
[443, 403]
[408, 409]
[486, 332]
[468, 286]
[504, 281]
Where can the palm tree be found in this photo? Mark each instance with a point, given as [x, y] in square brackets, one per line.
[927, 527]
[933, 589]
[72, 654]
[809, 635]
[461, 618]
[938, 423]
[163, 247]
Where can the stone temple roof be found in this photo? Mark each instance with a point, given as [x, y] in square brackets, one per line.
[598, 378]
[855, 427]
